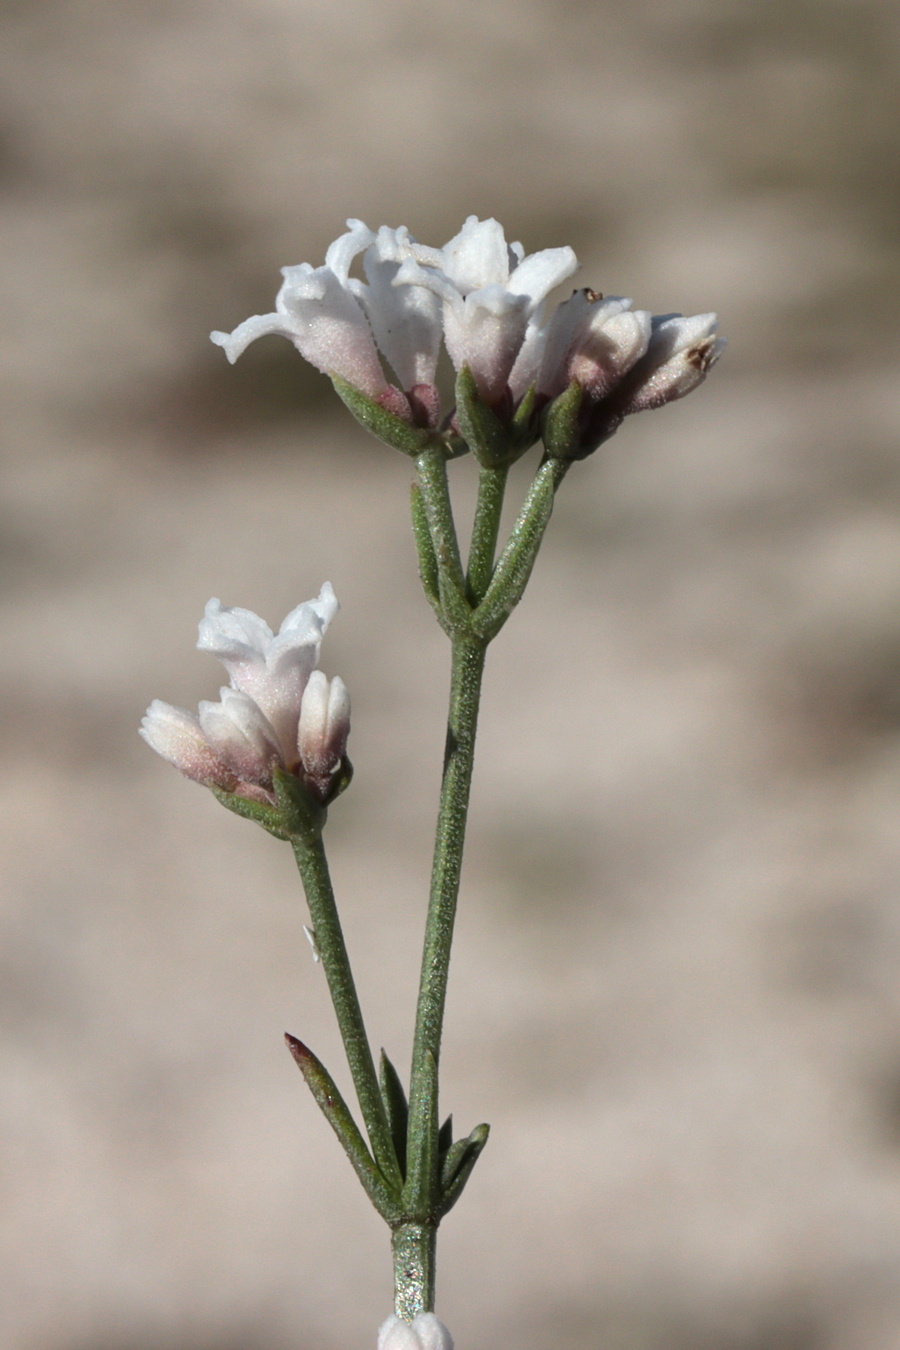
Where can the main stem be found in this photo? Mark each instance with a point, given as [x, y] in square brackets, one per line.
[414, 1245]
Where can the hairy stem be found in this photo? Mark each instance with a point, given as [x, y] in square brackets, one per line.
[332, 949]
[421, 1193]
[491, 488]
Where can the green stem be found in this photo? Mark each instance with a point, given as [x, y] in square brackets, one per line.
[413, 1247]
[513, 567]
[432, 470]
[332, 949]
[486, 527]
[422, 1191]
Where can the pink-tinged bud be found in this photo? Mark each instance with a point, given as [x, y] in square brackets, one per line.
[594, 341]
[680, 354]
[324, 728]
[424, 1332]
[425, 404]
[176, 735]
[619, 362]
[393, 400]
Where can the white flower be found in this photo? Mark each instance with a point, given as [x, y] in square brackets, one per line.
[317, 310]
[493, 299]
[335, 320]
[424, 1332]
[278, 710]
[272, 670]
[488, 301]
[406, 320]
[594, 341]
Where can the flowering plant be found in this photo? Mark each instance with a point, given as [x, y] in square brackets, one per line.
[273, 748]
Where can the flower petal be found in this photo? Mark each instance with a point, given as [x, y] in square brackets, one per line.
[477, 256]
[176, 735]
[260, 325]
[329, 328]
[405, 317]
[432, 1334]
[538, 274]
[241, 736]
[486, 334]
[340, 255]
[233, 634]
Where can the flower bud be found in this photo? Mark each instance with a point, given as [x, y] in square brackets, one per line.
[680, 353]
[593, 341]
[323, 729]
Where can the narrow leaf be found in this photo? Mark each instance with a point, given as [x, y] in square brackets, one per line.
[458, 1165]
[524, 423]
[396, 1107]
[335, 1110]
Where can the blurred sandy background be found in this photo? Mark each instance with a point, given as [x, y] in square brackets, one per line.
[676, 989]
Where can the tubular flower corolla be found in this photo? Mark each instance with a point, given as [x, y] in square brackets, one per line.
[278, 712]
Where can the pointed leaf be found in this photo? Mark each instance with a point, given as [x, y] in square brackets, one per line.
[336, 1112]
[396, 1107]
[524, 423]
[458, 1164]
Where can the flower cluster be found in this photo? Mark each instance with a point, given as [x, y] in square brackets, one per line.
[488, 302]
[278, 713]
